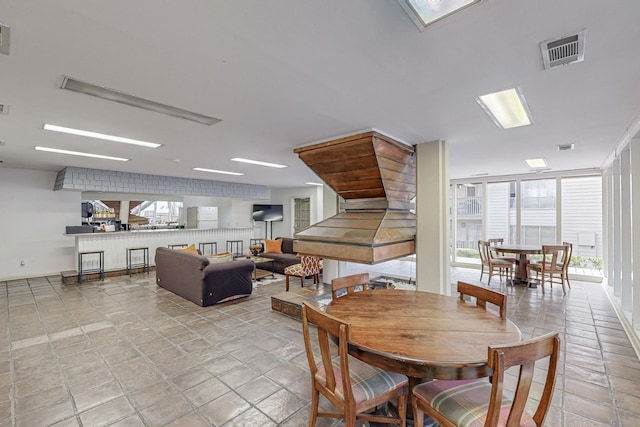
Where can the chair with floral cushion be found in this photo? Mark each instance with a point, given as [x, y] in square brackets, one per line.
[309, 266]
[484, 402]
[351, 386]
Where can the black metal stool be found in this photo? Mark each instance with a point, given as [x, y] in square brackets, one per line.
[203, 245]
[82, 271]
[177, 245]
[145, 260]
[238, 245]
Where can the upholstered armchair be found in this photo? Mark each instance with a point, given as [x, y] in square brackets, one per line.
[309, 266]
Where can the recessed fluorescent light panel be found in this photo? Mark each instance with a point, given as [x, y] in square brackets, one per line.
[319, 184]
[257, 162]
[79, 153]
[74, 85]
[507, 108]
[217, 171]
[537, 163]
[425, 12]
[97, 135]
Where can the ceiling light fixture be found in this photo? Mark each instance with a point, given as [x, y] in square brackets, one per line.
[74, 85]
[97, 135]
[217, 171]
[79, 153]
[257, 162]
[425, 12]
[507, 108]
[537, 163]
[319, 184]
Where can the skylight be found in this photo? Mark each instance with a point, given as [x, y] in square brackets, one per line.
[507, 108]
[425, 12]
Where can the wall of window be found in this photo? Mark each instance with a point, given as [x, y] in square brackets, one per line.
[523, 210]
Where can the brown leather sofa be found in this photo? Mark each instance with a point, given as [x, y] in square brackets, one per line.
[194, 278]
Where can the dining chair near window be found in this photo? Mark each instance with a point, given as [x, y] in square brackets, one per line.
[483, 296]
[352, 386]
[553, 266]
[349, 283]
[484, 402]
[503, 267]
[495, 253]
[569, 261]
[309, 265]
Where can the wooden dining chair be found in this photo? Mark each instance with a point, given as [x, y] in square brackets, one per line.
[503, 267]
[568, 261]
[484, 402]
[483, 296]
[496, 242]
[553, 266]
[350, 283]
[352, 386]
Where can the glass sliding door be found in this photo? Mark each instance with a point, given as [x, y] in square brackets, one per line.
[468, 224]
[581, 223]
[538, 212]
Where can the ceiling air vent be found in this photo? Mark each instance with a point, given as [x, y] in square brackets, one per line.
[565, 147]
[563, 50]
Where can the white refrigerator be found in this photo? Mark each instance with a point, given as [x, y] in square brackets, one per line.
[202, 217]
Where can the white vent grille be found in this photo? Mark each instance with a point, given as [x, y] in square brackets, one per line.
[563, 50]
[565, 147]
[5, 38]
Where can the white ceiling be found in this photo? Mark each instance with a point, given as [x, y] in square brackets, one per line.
[285, 73]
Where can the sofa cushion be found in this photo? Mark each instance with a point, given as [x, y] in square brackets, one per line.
[221, 257]
[190, 249]
[287, 245]
[273, 246]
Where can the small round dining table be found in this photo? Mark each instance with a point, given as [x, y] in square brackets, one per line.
[523, 251]
[421, 334]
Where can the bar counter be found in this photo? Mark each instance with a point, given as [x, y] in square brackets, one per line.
[115, 243]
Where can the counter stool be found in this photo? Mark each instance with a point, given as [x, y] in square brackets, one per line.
[177, 246]
[145, 260]
[203, 245]
[82, 271]
[237, 245]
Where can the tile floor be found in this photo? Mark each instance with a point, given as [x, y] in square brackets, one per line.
[124, 352]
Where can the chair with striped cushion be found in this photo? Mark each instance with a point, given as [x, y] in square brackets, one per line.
[349, 284]
[352, 386]
[483, 296]
[476, 403]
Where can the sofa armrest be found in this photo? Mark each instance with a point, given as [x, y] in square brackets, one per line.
[224, 280]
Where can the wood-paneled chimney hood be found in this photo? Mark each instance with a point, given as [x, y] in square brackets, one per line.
[375, 176]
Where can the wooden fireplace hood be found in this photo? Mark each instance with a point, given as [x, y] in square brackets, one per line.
[375, 176]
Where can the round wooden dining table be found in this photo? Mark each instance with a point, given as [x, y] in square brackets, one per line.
[421, 334]
[523, 251]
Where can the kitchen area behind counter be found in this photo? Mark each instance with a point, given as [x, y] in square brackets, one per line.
[115, 244]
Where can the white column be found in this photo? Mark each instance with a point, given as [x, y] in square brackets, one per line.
[329, 209]
[634, 147]
[617, 231]
[124, 211]
[432, 232]
[625, 221]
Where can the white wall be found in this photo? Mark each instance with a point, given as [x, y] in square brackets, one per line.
[32, 223]
[284, 197]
